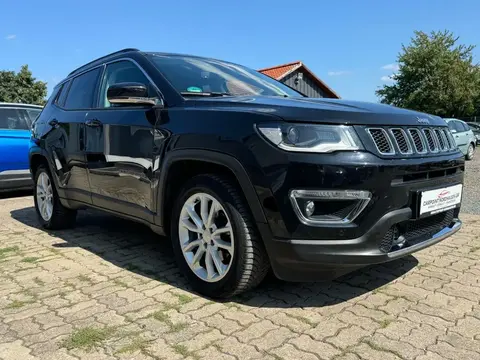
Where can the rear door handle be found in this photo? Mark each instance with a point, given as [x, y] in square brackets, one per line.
[93, 123]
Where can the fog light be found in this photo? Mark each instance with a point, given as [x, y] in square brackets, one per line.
[309, 208]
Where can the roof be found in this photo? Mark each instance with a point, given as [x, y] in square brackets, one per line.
[20, 105]
[281, 71]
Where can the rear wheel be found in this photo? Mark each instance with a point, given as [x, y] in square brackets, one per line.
[214, 238]
[50, 212]
[470, 152]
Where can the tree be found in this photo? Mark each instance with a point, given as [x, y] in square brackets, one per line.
[22, 87]
[436, 75]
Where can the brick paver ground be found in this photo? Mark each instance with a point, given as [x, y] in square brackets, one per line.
[109, 289]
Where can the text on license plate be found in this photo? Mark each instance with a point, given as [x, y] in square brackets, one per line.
[438, 200]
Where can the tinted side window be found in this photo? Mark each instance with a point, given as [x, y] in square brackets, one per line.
[82, 90]
[62, 94]
[466, 127]
[458, 126]
[451, 125]
[14, 119]
[119, 72]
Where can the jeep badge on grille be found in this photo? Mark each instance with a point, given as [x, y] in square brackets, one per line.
[424, 121]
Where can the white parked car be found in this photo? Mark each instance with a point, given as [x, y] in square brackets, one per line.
[464, 137]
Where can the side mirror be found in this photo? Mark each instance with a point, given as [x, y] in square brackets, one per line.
[130, 94]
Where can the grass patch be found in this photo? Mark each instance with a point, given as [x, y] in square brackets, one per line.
[55, 251]
[421, 266]
[87, 338]
[379, 348]
[162, 317]
[30, 259]
[184, 299]
[85, 278]
[70, 284]
[385, 322]
[182, 350]
[178, 327]
[120, 283]
[275, 356]
[7, 250]
[38, 281]
[16, 304]
[137, 344]
[303, 319]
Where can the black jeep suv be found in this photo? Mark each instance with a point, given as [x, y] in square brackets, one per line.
[242, 172]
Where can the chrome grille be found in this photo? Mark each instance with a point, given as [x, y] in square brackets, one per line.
[432, 145]
[442, 139]
[402, 141]
[418, 141]
[413, 140]
[382, 141]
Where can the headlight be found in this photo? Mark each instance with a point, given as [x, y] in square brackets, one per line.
[311, 138]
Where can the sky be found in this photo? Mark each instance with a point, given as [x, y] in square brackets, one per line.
[351, 45]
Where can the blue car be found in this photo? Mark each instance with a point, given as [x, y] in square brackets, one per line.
[15, 124]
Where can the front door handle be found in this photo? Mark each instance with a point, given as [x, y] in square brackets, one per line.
[93, 123]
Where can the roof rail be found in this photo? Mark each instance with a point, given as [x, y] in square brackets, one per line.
[105, 56]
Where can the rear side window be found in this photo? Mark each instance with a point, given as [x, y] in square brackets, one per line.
[451, 125]
[82, 90]
[458, 126]
[62, 94]
[17, 119]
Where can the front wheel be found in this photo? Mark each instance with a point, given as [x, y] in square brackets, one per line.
[215, 240]
[470, 152]
[50, 212]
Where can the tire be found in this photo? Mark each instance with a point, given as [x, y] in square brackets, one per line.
[248, 265]
[470, 152]
[60, 217]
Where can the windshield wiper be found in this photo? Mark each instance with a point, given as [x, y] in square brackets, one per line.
[211, 94]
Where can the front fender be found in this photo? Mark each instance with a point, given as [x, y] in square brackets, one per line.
[216, 158]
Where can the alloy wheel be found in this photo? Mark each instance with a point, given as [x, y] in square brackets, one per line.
[206, 237]
[44, 193]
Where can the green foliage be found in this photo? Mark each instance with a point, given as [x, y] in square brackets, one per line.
[88, 338]
[22, 87]
[436, 75]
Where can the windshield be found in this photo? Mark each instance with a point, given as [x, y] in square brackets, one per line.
[192, 75]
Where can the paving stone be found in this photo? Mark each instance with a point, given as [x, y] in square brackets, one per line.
[14, 351]
[348, 337]
[366, 352]
[202, 340]
[288, 351]
[242, 351]
[321, 349]
[273, 338]
[255, 331]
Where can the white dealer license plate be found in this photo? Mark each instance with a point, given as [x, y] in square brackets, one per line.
[436, 201]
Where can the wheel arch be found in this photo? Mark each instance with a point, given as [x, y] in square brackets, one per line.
[207, 161]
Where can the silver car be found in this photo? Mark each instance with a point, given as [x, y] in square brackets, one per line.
[464, 137]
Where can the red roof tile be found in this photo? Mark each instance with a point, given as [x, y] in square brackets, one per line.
[280, 71]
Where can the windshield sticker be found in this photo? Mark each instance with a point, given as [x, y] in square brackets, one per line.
[194, 89]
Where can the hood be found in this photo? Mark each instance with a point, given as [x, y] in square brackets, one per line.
[334, 111]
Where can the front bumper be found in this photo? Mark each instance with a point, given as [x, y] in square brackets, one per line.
[316, 260]
[299, 252]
